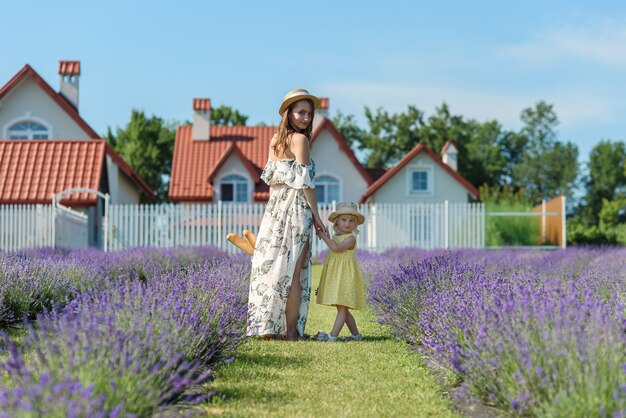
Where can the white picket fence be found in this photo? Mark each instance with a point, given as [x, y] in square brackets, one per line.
[387, 225]
[26, 226]
[440, 225]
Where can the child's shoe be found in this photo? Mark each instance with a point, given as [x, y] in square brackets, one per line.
[320, 336]
[357, 337]
[323, 336]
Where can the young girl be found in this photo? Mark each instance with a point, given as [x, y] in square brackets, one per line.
[341, 283]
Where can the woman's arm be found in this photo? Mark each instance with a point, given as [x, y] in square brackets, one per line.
[346, 244]
[302, 151]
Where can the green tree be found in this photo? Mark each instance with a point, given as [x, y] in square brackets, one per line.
[480, 160]
[605, 179]
[227, 116]
[390, 136]
[147, 145]
[349, 129]
[546, 166]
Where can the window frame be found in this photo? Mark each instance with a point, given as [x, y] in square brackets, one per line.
[25, 119]
[318, 184]
[430, 180]
[226, 178]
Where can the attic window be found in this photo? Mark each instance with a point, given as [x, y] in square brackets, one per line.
[28, 129]
[234, 188]
[420, 181]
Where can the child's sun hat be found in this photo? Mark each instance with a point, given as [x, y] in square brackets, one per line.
[294, 96]
[347, 208]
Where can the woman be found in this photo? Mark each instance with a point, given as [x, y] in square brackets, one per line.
[280, 281]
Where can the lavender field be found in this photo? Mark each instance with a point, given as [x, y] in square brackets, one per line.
[116, 334]
[533, 333]
[133, 333]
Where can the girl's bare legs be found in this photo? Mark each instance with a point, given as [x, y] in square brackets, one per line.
[351, 323]
[342, 313]
[292, 308]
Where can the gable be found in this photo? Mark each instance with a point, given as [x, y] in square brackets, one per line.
[410, 157]
[13, 106]
[443, 185]
[331, 161]
[28, 101]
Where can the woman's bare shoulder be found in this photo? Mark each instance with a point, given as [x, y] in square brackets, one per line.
[299, 139]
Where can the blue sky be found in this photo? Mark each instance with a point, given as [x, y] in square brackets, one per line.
[487, 59]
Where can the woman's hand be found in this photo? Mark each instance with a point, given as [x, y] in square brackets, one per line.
[320, 228]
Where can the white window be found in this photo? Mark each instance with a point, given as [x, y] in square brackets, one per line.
[326, 189]
[28, 129]
[234, 188]
[420, 181]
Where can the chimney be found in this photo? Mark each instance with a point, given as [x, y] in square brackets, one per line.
[323, 110]
[321, 113]
[69, 71]
[201, 119]
[449, 155]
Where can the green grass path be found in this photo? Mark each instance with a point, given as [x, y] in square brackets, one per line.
[377, 376]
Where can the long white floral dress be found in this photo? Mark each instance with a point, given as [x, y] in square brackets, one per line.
[284, 231]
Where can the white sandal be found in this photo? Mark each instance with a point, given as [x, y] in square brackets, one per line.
[323, 336]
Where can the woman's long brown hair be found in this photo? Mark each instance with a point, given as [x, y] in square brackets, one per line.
[285, 130]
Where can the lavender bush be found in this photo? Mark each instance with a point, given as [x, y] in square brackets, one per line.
[535, 333]
[132, 346]
[29, 286]
[32, 281]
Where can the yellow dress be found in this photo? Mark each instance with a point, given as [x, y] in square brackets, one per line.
[341, 282]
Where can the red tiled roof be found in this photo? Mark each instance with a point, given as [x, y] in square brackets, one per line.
[27, 71]
[408, 157]
[230, 149]
[196, 163]
[32, 171]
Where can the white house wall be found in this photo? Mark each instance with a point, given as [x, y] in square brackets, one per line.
[445, 187]
[121, 188]
[28, 101]
[331, 160]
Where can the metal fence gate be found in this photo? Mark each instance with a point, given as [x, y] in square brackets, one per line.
[74, 229]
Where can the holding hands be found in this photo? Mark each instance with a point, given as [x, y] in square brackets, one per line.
[320, 228]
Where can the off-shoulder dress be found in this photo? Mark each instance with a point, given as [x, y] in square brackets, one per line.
[284, 232]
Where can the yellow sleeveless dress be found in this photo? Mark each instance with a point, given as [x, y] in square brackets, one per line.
[341, 282]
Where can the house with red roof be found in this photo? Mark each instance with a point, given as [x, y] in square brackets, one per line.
[424, 177]
[224, 163]
[47, 147]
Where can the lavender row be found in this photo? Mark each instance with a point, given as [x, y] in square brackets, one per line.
[32, 281]
[534, 333]
[130, 348]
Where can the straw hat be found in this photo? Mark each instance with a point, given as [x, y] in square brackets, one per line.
[294, 96]
[347, 208]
